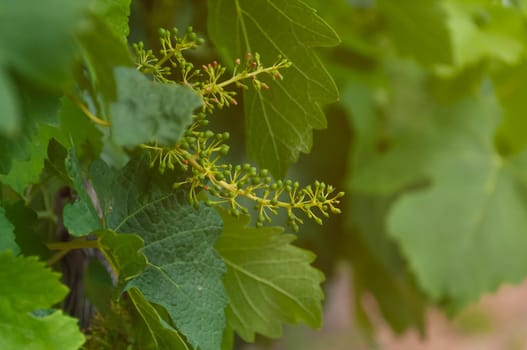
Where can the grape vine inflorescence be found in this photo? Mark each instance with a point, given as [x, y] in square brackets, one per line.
[200, 151]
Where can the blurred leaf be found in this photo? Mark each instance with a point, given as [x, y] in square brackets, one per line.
[38, 107]
[418, 29]
[385, 130]
[7, 234]
[55, 163]
[18, 325]
[104, 51]
[268, 280]
[36, 39]
[279, 121]
[379, 268]
[27, 172]
[492, 201]
[115, 13]
[98, 285]
[23, 218]
[9, 104]
[80, 217]
[485, 29]
[510, 89]
[77, 128]
[148, 111]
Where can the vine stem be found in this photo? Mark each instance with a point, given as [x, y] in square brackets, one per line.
[243, 76]
[160, 62]
[86, 111]
[65, 247]
[234, 189]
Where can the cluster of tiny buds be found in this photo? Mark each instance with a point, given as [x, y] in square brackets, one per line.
[198, 154]
[171, 54]
[209, 81]
[213, 87]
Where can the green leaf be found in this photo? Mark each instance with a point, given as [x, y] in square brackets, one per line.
[419, 29]
[159, 333]
[184, 272]
[19, 326]
[104, 51]
[7, 234]
[122, 251]
[76, 127]
[80, 218]
[268, 280]
[375, 170]
[509, 83]
[23, 218]
[9, 104]
[374, 253]
[279, 121]
[148, 111]
[115, 13]
[485, 29]
[485, 213]
[12, 149]
[36, 39]
[27, 172]
[228, 339]
[98, 286]
[38, 107]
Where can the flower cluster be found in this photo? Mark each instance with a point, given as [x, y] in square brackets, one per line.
[171, 54]
[198, 155]
[208, 80]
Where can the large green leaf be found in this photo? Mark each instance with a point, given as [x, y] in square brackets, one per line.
[183, 272]
[41, 61]
[7, 234]
[279, 121]
[460, 233]
[418, 29]
[20, 327]
[268, 280]
[148, 111]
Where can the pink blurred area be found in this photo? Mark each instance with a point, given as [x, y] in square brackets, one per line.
[496, 322]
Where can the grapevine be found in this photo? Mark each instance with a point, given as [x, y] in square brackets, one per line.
[199, 153]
